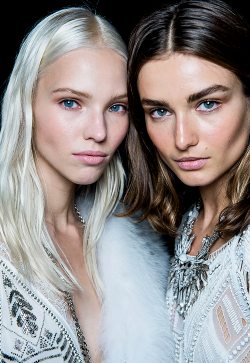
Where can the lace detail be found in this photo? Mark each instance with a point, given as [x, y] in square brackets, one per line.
[217, 326]
[215, 253]
[55, 299]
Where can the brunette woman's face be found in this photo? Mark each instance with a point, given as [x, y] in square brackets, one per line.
[196, 115]
[80, 113]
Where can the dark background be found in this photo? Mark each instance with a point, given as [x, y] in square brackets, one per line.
[17, 19]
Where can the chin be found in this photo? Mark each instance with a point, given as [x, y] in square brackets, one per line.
[87, 180]
[195, 182]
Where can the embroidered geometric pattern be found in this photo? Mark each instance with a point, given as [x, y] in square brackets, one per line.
[223, 324]
[217, 327]
[232, 314]
[29, 330]
[21, 309]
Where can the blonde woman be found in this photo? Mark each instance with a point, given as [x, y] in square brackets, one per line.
[77, 284]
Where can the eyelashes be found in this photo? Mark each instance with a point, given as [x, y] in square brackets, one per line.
[117, 108]
[205, 106]
[208, 105]
[159, 112]
[71, 104]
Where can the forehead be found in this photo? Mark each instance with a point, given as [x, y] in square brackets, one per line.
[186, 73]
[84, 68]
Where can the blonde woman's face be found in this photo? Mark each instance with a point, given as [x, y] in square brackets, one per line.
[196, 115]
[80, 114]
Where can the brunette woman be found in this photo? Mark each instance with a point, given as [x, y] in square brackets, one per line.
[189, 95]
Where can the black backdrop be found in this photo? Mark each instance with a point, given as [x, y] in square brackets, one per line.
[17, 18]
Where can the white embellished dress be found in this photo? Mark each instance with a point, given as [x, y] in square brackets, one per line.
[36, 325]
[216, 328]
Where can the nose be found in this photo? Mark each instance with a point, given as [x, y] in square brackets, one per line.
[186, 132]
[95, 127]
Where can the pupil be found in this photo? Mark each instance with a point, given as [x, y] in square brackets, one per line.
[209, 104]
[68, 103]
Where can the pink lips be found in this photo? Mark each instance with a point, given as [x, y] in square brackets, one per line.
[192, 163]
[91, 157]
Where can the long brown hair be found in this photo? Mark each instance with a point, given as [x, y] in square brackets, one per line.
[211, 30]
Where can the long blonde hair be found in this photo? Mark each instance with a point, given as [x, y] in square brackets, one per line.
[22, 204]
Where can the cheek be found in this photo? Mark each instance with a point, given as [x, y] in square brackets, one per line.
[160, 137]
[45, 132]
[233, 137]
[44, 125]
[49, 129]
[116, 136]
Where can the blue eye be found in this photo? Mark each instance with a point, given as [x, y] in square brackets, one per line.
[159, 112]
[69, 104]
[208, 105]
[118, 108]
[115, 108]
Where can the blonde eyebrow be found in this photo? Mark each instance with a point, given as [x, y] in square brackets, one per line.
[119, 98]
[73, 91]
[87, 95]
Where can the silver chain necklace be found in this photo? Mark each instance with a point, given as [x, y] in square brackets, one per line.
[79, 332]
[68, 297]
[188, 274]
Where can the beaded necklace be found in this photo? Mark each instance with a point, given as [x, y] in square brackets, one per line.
[188, 274]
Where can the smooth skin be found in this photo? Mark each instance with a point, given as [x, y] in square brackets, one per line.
[199, 120]
[80, 105]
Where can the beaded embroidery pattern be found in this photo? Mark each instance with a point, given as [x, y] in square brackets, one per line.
[216, 327]
[30, 331]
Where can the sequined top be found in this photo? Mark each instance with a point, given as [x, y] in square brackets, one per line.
[31, 328]
[216, 328]
[36, 324]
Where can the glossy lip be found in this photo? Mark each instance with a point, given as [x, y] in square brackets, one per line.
[191, 163]
[91, 157]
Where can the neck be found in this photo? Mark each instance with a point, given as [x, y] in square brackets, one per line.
[59, 209]
[214, 199]
[59, 195]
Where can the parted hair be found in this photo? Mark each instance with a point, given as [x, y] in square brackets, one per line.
[212, 30]
[22, 200]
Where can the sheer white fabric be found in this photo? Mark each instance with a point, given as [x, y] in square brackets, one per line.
[58, 301]
[31, 328]
[216, 328]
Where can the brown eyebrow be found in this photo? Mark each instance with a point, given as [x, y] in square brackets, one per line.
[206, 92]
[192, 98]
[154, 103]
[70, 90]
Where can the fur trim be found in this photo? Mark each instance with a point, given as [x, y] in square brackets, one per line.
[134, 272]
[134, 266]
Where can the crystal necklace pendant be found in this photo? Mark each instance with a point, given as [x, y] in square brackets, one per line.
[188, 274]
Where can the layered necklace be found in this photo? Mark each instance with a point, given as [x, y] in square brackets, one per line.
[188, 274]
